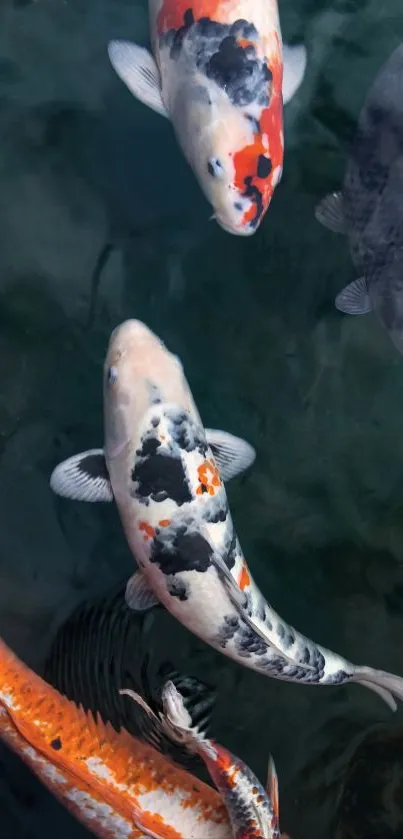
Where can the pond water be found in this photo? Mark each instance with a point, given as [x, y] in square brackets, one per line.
[95, 192]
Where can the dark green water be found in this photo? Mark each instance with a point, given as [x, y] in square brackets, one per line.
[320, 396]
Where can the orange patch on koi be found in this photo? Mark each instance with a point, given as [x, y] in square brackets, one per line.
[148, 531]
[164, 522]
[270, 127]
[244, 579]
[172, 12]
[208, 484]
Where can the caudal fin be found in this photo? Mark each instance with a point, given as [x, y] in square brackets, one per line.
[386, 685]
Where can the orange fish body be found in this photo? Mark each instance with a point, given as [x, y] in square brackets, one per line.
[101, 776]
[217, 74]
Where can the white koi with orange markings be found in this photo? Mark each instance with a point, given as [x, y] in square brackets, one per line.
[217, 74]
[160, 464]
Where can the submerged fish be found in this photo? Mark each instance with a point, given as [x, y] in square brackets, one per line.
[369, 209]
[253, 811]
[102, 777]
[166, 476]
[217, 73]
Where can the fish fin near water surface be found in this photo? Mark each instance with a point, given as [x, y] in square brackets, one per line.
[272, 786]
[294, 66]
[354, 298]
[83, 477]
[240, 601]
[388, 686]
[330, 213]
[138, 595]
[232, 454]
[136, 67]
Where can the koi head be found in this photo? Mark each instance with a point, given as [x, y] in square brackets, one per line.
[235, 152]
[139, 371]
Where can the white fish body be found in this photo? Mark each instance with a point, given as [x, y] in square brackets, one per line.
[167, 481]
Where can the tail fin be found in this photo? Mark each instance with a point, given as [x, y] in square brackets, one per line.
[386, 685]
[173, 722]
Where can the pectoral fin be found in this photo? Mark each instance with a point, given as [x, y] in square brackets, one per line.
[232, 454]
[294, 66]
[139, 596]
[330, 213]
[83, 477]
[138, 70]
[354, 298]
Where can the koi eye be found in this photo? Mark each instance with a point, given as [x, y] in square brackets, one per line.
[215, 168]
[112, 376]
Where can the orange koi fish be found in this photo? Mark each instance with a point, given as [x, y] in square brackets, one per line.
[102, 777]
[220, 74]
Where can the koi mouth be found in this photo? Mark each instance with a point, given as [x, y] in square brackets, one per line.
[236, 230]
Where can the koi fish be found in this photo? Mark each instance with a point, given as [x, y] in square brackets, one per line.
[369, 207]
[253, 811]
[217, 74]
[107, 780]
[166, 474]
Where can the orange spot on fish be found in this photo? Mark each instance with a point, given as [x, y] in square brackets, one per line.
[172, 12]
[243, 42]
[209, 478]
[148, 531]
[164, 522]
[271, 126]
[244, 579]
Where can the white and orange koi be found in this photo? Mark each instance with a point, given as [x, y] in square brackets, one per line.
[166, 472]
[102, 777]
[218, 74]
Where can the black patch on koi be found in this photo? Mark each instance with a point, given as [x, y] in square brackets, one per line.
[235, 68]
[56, 744]
[215, 513]
[186, 433]
[177, 588]
[160, 477]
[264, 166]
[149, 448]
[252, 192]
[337, 678]
[186, 552]
[248, 642]
[227, 630]
[286, 635]
[232, 552]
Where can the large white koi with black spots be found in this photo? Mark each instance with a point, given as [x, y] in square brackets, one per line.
[220, 74]
[166, 472]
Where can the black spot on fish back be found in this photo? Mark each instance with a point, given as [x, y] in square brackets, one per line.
[216, 52]
[161, 476]
[264, 166]
[187, 551]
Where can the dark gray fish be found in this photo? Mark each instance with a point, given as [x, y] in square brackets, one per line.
[104, 647]
[369, 209]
